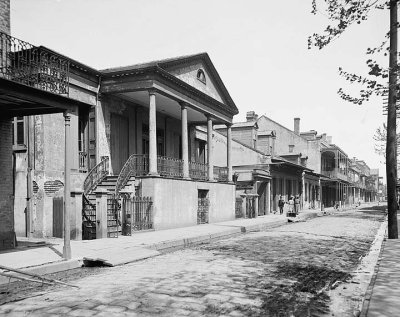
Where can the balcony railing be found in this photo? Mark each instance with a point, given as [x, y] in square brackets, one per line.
[33, 66]
[220, 174]
[168, 166]
[138, 165]
[335, 173]
[198, 171]
[83, 165]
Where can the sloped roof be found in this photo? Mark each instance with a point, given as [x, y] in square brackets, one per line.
[180, 60]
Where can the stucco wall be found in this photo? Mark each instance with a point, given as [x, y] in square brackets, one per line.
[175, 201]
[286, 137]
[241, 155]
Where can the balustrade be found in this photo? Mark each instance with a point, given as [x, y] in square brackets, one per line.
[198, 170]
[335, 173]
[221, 174]
[167, 166]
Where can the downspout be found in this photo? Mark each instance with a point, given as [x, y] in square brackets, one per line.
[96, 116]
[28, 215]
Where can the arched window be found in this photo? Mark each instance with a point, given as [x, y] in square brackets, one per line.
[201, 76]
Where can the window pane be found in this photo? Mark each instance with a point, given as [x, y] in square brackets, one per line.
[13, 139]
[20, 133]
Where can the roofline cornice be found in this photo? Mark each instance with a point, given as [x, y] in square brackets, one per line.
[154, 69]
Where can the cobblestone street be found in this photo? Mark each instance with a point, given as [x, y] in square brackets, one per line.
[287, 271]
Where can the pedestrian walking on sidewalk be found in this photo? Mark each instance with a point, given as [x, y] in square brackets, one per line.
[296, 204]
[281, 203]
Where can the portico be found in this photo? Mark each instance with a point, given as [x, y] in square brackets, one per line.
[161, 103]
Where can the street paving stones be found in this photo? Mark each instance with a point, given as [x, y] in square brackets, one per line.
[285, 271]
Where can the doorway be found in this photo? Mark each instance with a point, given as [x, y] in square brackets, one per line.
[119, 139]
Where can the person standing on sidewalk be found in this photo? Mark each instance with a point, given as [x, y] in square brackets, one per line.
[296, 204]
[290, 212]
[281, 203]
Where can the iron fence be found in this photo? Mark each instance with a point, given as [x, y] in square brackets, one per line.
[137, 214]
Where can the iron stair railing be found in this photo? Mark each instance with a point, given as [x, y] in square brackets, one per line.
[136, 165]
[94, 177]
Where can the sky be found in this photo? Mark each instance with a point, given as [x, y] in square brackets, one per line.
[259, 48]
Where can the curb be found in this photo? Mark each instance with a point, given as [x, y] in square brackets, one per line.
[48, 268]
[168, 246]
[365, 302]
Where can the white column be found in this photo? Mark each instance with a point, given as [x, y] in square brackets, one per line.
[229, 151]
[210, 160]
[269, 210]
[185, 145]
[303, 194]
[152, 134]
[67, 188]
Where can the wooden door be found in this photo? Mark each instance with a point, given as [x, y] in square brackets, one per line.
[58, 218]
[262, 199]
[119, 142]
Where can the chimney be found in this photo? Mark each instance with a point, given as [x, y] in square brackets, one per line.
[329, 139]
[297, 126]
[251, 116]
[5, 16]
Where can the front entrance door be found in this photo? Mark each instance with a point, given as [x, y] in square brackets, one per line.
[262, 198]
[119, 142]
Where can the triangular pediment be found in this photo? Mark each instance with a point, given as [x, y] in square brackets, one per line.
[199, 72]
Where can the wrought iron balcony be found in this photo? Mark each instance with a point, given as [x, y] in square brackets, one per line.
[335, 173]
[33, 66]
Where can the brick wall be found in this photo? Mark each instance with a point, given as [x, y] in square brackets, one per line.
[5, 16]
[244, 135]
[6, 187]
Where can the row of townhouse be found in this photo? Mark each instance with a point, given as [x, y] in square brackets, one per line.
[300, 163]
[151, 146]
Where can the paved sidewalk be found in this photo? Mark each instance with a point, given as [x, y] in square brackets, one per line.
[44, 256]
[383, 297]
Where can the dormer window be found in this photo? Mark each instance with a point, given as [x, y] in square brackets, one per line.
[201, 76]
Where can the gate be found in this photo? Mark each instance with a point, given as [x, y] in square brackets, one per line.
[58, 216]
[250, 206]
[113, 223]
[137, 214]
[202, 210]
[88, 219]
[238, 207]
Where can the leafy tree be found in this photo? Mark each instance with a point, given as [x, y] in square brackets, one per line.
[342, 14]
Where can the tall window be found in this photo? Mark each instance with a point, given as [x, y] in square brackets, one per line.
[18, 133]
[160, 142]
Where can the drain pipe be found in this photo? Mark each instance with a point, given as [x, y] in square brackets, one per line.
[28, 210]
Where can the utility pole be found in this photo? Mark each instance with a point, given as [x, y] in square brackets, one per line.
[391, 144]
